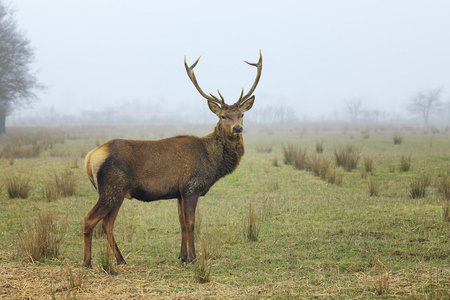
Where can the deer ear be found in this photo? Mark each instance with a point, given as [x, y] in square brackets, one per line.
[214, 107]
[247, 104]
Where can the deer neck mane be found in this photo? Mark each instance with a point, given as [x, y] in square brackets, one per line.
[225, 152]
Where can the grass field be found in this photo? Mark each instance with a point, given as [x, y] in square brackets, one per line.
[363, 237]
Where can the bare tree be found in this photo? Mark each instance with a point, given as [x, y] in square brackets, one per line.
[372, 115]
[425, 103]
[17, 81]
[354, 109]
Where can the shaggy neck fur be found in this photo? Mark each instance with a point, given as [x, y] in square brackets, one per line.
[225, 151]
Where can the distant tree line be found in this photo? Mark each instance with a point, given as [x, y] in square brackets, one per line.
[152, 112]
[424, 104]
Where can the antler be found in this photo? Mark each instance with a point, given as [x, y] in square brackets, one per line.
[258, 65]
[191, 75]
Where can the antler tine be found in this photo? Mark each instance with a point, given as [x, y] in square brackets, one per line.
[220, 96]
[242, 93]
[191, 75]
[258, 65]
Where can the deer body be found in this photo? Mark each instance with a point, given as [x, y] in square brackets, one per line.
[182, 167]
[164, 169]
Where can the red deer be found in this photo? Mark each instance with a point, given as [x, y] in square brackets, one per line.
[181, 167]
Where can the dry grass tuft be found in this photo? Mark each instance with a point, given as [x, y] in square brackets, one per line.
[288, 153]
[398, 138]
[17, 186]
[319, 146]
[335, 175]
[405, 162]
[42, 238]
[294, 156]
[347, 157]
[368, 164]
[107, 259]
[373, 187]
[445, 188]
[50, 191]
[202, 269]
[252, 230]
[446, 210]
[74, 280]
[275, 162]
[319, 166]
[382, 284]
[65, 183]
[418, 186]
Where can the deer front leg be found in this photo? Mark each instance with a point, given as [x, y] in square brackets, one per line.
[189, 206]
[183, 252]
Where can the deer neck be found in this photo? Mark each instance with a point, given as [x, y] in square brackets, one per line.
[225, 153]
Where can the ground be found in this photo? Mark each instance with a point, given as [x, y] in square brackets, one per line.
[314, 239]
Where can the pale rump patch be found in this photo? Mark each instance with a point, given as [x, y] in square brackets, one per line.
[94, 161]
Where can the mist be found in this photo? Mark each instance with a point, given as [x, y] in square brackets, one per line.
[111, 62]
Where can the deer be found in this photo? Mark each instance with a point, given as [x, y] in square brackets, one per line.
[180, 167]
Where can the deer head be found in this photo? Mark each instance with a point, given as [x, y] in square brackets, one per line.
[230, 116]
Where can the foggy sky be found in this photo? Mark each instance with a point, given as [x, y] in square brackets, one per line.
[316, 54]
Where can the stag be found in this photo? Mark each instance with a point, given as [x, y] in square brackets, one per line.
[181, 167]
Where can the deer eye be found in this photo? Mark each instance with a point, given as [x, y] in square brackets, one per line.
[223, 117]
[242, 115]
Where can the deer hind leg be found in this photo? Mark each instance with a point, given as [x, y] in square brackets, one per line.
[98, 212]
[183, 253]
[108, 226]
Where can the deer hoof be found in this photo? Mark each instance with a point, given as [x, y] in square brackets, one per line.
[183, 259]
[193, 260]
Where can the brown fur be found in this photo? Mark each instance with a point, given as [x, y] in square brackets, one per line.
[183, 168]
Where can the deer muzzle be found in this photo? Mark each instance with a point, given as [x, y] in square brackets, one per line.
[237, 129]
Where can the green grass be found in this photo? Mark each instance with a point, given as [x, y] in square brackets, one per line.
[315, 239]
